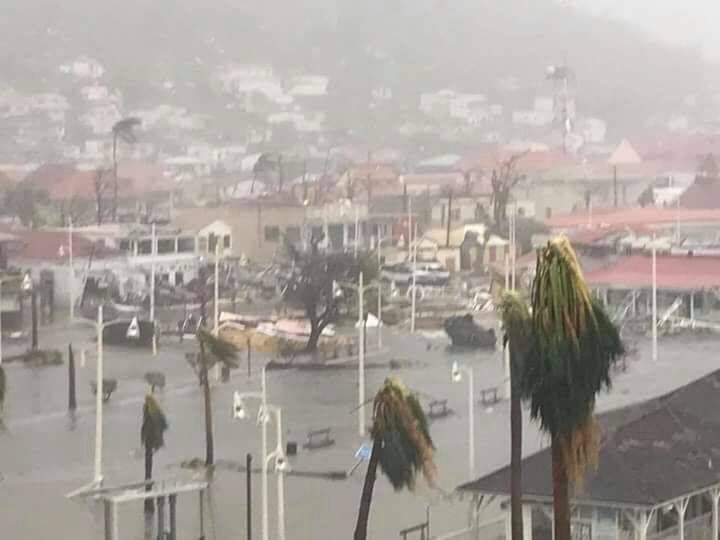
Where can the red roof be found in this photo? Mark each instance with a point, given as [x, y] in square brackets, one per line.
[701, 195]
[633, 217]
[673, 272]
[64, 181]
[46, 246]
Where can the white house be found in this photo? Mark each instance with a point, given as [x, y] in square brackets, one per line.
[83, 68]
[533, 118]
[309, 86]
[101, 119]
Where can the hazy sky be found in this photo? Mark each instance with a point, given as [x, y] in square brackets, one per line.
[687, 22]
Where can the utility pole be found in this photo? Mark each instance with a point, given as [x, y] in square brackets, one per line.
[153, 252]
[248, 495]
[361, 357]
[615, 186]
[654, 302]
[71, 270]
[449, 218]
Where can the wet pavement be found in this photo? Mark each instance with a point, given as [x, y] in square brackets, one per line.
[46, 453]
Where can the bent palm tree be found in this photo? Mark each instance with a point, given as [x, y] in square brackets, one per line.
[401, 446]
[152, 437]
[122, 129]
[518, 334]
[573, 348]
[212, 351]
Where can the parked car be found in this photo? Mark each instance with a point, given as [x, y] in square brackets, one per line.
[426, 273]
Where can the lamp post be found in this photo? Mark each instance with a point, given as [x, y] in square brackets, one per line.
[281, 465]
[216, 300]
[153, 253]
[380, 241]
[360, 288]
[71, 272]
[457, 375]
[654, 302]
[29, 287]
[240, 413]
[414, 281]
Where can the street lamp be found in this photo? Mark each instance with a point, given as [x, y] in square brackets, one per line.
[360, 288]
[457, 375]
[29, 287]
[239, 412]
[153, 254]
[281, 465]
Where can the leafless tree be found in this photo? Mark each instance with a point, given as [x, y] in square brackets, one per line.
[504, 178]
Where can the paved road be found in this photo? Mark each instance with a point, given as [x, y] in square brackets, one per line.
[46, 453]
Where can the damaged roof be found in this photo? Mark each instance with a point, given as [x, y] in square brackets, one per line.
[651, 453]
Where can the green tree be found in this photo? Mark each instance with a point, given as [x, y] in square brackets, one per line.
[518, 334]
[402, 446]
[152, 438]
[212, 351]
[574, 346]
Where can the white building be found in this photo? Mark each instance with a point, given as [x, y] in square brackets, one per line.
[83, 68]
[100, 120]
[309, 86]
[533, 118]
[446, 103]
[593, 130]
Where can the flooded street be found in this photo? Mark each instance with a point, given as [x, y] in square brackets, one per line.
[46, 453]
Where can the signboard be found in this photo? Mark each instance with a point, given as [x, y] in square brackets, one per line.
[364, 452]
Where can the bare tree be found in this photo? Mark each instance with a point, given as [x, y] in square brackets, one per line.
[101, 186]
[503, 180]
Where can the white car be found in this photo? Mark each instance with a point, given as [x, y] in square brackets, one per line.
[426, 273]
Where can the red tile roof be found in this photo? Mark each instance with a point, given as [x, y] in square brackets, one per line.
[673, 272]
[46, 246]
[64, 181]
[701, 195]
[633, 217]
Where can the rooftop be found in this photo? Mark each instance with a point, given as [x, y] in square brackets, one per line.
[651, 453]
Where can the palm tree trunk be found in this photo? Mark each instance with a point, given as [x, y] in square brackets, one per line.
[209, 442]
[315, 333]
[149, 506]
[561, 499]
[367, 493]
[516, 515]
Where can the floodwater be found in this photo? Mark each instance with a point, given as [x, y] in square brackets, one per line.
[46, 453]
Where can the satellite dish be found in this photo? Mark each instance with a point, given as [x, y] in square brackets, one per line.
[133, 331]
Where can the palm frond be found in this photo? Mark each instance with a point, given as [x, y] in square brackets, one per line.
[574, 344]
[400, 425]
[217, 349]
[154, 424]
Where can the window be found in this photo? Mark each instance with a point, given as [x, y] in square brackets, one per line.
[272, 233]
[455, 214]
[212, 242]
[186, 245]
[125, 245]
[548, 213]
[145, 247]
[226, 241]
[293, 234]
[166, 245]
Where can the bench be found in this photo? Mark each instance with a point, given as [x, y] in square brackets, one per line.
[489, 396]
[319, 438]
[438, 409]
[155, 379]
[109, 386]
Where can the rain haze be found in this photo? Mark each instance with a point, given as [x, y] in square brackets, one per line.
[328, 269]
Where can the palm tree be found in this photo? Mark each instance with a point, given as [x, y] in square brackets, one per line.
[212, 351]
[152, 437]
[401, 446]
[518, 333]
[573, 348]
[3, 387]
[122, 129]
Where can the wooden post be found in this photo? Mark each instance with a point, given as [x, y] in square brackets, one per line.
[160, 518]
[72, 399]
[202, 514]
[248, 481]
[33, 300]
[107, 508]
[249, 352]
[173, 517]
